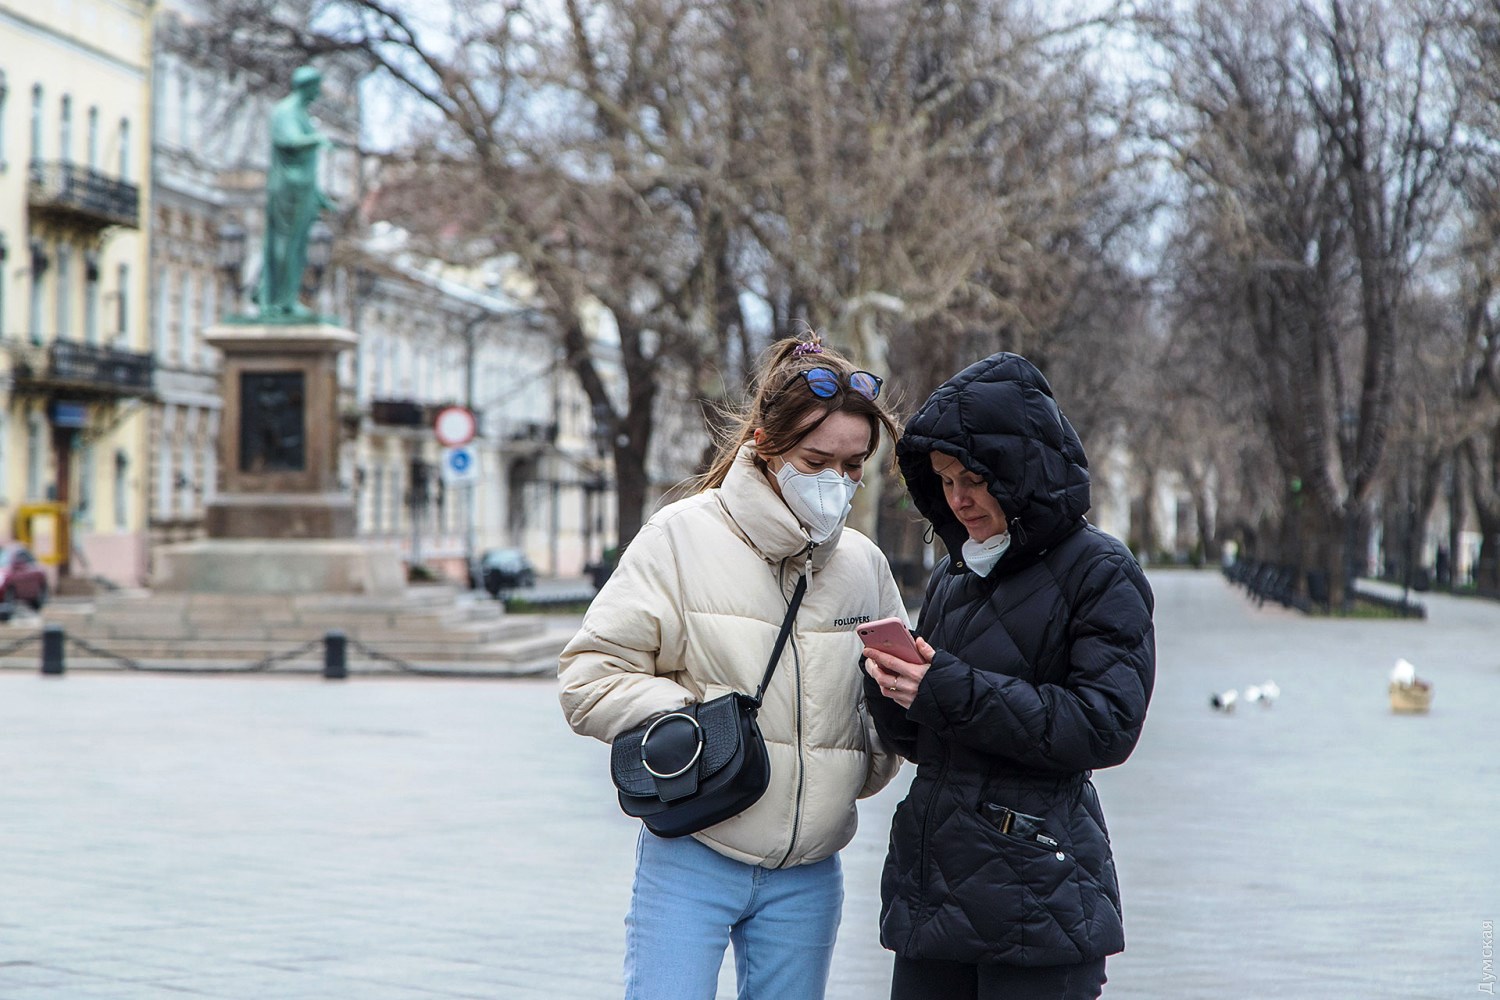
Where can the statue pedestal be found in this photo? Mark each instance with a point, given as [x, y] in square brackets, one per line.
[279, 437]
[281, 524]
[256, 566]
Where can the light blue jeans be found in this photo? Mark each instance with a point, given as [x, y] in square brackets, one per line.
[689, 903]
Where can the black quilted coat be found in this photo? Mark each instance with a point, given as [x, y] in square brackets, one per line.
[1043, 672]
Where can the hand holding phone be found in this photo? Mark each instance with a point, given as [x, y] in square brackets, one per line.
[890, 635]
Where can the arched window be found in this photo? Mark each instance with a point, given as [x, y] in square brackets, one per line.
[37, 96]
[4, 93]
[65, 131]
[93, 151]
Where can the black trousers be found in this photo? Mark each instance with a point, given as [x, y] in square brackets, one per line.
[919, 979]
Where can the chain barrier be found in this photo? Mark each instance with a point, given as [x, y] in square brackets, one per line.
[271, 661]
[406, 667]
[257, 666]
[20, 643]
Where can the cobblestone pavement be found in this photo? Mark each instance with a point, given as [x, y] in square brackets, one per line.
[403, 839]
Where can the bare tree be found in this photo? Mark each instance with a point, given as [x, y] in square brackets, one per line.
[1317, 145]
[879, 175]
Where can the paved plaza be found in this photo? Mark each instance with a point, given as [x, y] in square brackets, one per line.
[289, 838]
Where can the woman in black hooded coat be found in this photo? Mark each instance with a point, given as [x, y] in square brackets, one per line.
[1040, 653]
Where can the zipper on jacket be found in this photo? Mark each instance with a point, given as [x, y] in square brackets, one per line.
[922, 859]
[986, 592]
[797, 672]
[801, 765]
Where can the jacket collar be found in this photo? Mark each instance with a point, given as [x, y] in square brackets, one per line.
[763, 519]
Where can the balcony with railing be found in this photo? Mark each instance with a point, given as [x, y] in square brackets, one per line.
[83, 195]
[83, 369]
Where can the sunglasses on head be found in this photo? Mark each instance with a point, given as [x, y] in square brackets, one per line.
[825, 383]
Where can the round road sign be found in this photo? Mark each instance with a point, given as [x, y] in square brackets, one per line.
[455, 426]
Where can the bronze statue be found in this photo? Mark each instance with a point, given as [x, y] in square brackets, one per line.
[293, 199]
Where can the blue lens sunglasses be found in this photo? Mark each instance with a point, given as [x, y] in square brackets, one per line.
[824, 383]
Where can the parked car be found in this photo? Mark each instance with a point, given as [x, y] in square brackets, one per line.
[503, 569]
[21, 579]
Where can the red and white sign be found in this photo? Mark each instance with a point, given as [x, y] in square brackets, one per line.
[455, 426]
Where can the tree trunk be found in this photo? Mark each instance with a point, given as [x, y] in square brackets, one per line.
[1482, 457]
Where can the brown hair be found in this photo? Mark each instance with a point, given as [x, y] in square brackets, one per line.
[780, 402]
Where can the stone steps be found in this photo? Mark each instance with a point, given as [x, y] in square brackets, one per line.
[436, 628]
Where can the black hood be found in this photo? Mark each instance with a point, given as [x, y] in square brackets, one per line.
[999, 418]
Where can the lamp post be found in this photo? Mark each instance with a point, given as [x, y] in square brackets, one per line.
[231, 259]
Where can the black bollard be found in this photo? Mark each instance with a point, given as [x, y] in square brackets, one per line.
[52, 650]
[335, 656]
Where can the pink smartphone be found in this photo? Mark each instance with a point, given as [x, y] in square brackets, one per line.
[890, 635]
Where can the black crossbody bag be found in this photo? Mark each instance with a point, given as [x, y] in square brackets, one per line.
[684, 771]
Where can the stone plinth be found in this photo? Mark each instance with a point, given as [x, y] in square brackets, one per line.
[281, 516]
[261, 566]
[279, 433]
[281, 523]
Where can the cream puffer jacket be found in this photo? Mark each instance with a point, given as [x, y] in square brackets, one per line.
[692, 612]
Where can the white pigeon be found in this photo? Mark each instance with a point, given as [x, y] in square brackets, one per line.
[1224, 702]
[1403, 674]
[1264, 694]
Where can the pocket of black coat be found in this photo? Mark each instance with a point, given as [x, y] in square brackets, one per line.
[1019, 826]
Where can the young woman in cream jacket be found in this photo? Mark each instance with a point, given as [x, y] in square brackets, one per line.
[690, 614]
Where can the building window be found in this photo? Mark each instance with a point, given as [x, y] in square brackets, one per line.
[163, 310]
[38, 275]
[122, 488]
[65, 131]
[122, 300]
[210, 303]
[185, 316]
[395, 500]
[164, 472]
[377, 499]
[91, 297]
[210, 461]
[4, 93]
[185, 476]
[124, 149]
[64, 292]
[37, 114]
[184, 97]
[34, 456]
[93, 138]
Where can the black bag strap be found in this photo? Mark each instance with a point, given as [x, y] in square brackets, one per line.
[786, 630]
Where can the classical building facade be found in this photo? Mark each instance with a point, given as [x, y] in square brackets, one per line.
[75, 376]
[431, 336]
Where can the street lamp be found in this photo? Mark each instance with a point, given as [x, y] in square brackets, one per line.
[231, 258]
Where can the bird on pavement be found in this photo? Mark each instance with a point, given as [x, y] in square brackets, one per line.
[1224, 701]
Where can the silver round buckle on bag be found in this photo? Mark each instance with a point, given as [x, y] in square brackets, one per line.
[697, 751]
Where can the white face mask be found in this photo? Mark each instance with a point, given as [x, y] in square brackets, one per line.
[982, 556]
[821, 502]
